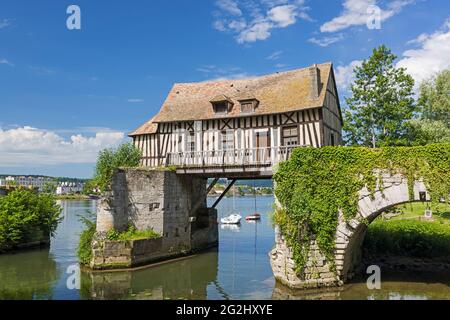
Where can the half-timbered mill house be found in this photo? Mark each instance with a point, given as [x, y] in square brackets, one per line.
[245, 125]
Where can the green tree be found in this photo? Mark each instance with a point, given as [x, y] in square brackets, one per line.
[126, 155]
[381, 103]
[26, 215]
[433, 124]
[49, 188]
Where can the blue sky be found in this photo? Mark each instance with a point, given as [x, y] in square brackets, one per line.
[65, 94]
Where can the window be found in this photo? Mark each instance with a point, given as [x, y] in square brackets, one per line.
[247, 107]
[290, 136]
[227, 140]
[190, 141]
[333, 143]
[221, 107]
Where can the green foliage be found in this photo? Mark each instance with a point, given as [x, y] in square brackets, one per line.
[126, 155]
[89, 187]
[426, 131]
[381, 103]
[131, 234]
[27, 216]
[408, 237]
[433, 124]
[315, 184]
[434, 98]
[84, 250]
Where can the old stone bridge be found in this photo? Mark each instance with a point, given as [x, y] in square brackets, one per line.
[173, 203]
[349, 237]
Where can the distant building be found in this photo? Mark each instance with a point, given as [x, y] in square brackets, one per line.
[27, 182]
[69, 188]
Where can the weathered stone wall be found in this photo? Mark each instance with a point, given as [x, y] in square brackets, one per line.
[172, 205]
[349, 237]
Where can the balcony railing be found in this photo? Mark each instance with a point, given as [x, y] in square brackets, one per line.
[234, 157]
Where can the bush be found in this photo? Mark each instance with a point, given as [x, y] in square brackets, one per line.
[26, 216]
[126, 155]
[132, 234]
[84, 250]
[408, 238]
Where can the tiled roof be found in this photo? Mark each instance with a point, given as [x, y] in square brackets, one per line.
[147, 128]
[276, 93]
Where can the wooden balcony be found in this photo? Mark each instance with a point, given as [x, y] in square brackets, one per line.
[239, 163]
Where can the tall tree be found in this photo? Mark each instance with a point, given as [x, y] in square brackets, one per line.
[434, 99]
[433, 124]
[381, 104]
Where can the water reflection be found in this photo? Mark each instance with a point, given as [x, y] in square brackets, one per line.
[231, 227]
[28, 275]
[185, 279]
[395, 286]
[239, 269]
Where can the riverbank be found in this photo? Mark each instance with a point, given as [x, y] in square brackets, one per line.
[404, 240]
[72, 197]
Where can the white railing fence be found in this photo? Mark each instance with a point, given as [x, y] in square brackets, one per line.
[234, 157]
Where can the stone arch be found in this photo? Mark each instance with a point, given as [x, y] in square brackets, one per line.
[392, 190]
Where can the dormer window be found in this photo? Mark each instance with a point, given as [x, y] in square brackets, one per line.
[221, 104]
[249, 106]
[221, 107]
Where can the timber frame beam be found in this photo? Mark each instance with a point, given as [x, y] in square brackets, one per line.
[231, 184]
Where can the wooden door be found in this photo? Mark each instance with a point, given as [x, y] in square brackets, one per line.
[263, 146]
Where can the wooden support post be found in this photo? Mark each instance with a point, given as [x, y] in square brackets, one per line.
[213, 183]
[224, 193]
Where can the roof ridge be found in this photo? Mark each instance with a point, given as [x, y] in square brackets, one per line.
[254, 76]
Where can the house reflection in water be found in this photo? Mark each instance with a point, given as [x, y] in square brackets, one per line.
[183, 279]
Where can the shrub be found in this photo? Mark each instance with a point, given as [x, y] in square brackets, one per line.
[409, 238]
[126, 155]
[26, 215]
[131, 234]
[84, 250]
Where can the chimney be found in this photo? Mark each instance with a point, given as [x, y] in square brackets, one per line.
[314, 74]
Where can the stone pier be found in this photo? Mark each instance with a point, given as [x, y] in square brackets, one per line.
[174, 206]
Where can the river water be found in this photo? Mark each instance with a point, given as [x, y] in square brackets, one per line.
[238, 269]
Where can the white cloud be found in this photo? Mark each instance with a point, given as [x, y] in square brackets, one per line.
[6, 62]
[42, 70]
[31, 146]
[229, 6]
[275, 56]
[431, 57]
[135, 100]
[283, 16]
[4, 23]
[326, 41]
[355, 13]
[251, 21]
[258, 31]
[345, 75]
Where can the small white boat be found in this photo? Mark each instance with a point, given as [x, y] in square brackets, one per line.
[231, 219]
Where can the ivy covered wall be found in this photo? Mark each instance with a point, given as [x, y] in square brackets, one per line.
[318, 183]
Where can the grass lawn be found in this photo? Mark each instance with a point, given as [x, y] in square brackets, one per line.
[416, 210]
